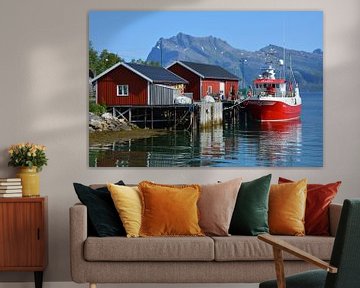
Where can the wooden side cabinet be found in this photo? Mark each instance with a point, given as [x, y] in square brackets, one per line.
[23, 235]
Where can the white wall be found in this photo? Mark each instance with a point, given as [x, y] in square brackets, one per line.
[43, 88]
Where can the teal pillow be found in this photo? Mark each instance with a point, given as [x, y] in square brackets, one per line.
[250, 216]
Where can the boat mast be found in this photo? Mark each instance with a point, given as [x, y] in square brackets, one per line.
[284, 65]
[284, 50]
[292, 72]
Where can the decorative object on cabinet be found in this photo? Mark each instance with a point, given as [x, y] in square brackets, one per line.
[30, 158]
[10, 187]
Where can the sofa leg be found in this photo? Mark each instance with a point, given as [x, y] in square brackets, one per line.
[92, 285]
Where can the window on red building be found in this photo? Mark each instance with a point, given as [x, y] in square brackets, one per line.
[122, 90]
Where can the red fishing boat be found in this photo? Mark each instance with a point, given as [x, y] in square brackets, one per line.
[274, 99]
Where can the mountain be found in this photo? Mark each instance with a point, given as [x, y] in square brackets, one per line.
[307, 66]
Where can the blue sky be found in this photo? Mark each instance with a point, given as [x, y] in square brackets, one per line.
[132, 34]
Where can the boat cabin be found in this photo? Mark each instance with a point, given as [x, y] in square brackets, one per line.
[267, 84]
[270, 87]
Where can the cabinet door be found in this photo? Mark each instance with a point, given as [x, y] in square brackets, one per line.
[21, 235]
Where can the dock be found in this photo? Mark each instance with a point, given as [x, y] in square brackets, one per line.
[178, 116]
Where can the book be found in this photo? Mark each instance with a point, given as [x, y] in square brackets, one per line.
[5, 195]
[2, 188]
[10, 180]
[10, 191]
[10, 183]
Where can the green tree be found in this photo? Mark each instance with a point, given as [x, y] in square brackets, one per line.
[93, 58]
[143, 62]
[138, 61]
[153, 63]
[98, 63]
[107, 60]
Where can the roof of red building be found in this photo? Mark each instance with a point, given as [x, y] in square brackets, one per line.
[152, 74]
[207, 71]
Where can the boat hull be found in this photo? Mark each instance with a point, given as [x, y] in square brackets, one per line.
[270, 110]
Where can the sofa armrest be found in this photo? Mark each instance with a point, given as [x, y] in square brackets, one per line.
[78, 235]
[334, 217]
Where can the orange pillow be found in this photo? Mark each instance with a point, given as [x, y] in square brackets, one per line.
[287, 204]
[169, 210]
[319, 197]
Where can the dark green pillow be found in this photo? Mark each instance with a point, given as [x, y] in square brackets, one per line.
[250, 216]
[103, 218]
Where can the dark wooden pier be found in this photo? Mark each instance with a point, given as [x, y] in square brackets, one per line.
[179, 116]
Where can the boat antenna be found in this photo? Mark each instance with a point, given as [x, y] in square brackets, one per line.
[291, 71]
[284, 49]
[284, 55]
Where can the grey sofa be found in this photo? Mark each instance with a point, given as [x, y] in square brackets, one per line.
[234, 259]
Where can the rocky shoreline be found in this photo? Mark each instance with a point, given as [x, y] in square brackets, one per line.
[106, 122]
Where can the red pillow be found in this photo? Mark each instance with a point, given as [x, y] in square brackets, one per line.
[319, 197]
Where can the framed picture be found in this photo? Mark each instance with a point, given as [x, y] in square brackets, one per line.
[205, 88]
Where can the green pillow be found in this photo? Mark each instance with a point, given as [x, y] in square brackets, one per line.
[250, 216]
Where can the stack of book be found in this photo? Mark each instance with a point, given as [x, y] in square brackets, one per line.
[10, 187]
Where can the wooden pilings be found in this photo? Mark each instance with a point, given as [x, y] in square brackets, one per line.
[196, 115]
[218, 113]
[211, 114]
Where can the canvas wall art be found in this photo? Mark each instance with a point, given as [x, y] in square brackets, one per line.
[205, 88]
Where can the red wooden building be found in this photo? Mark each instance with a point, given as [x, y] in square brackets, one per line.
[206, 79]
[130, 84]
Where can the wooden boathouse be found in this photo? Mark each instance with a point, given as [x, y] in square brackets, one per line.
[206, 79]
[130, 84]
[145, 95]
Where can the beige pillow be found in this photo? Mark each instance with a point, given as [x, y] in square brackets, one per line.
[216, 206]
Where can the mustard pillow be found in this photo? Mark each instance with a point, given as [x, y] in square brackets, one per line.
[127, 201]
[169, 210]
[287, 204]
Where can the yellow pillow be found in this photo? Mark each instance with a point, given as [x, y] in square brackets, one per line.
[127, 201]
[287, 204]
[169, 210]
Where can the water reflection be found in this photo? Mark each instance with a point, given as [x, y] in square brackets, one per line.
[238, 143]
[212, 142]
[280, 143]
[243, 144]
[173, 149]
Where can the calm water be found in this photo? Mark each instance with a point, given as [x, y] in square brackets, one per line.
[246, 143]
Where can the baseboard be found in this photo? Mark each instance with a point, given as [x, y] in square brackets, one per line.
[74, 285]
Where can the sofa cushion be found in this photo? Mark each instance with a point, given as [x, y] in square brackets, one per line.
[287, 204]
[216, 206]
[127, 201]
[245, 248]
[318, 199]
[149, 249]
[102, 216]
[169, 210]
[250, 215]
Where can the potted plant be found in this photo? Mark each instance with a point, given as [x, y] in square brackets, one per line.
[30, 158]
